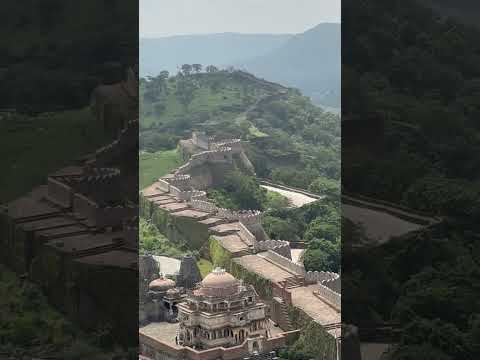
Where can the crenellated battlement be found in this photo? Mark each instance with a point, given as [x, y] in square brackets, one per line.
[234, 145]
[182, 181]
[312, 277]
[281, 247]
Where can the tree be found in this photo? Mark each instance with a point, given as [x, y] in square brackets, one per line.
[197, 68]
[322, 255]
[245, 190]
[211, 69]
[164, 74]
[280, 229]
[320, 230]
[186, 69]
[185, 92]
[325, 186]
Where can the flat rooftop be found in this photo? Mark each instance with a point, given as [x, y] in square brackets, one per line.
[316, 308]
[48, 223]
[193, 214]
[79, 243]
[62, 231]
[30, 207]
[162, 331]
[173, 207]
[114, 258]
[232, 243]
[152, 191]
[264, 268]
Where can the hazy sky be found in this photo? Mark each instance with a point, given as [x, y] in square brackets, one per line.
[180, 17]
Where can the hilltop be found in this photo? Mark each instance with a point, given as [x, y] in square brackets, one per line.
[285, 131]
[309, 61]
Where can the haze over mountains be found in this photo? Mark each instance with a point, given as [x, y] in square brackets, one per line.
[309, 61]
[168, 53]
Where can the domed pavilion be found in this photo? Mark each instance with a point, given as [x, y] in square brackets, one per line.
[221, 311]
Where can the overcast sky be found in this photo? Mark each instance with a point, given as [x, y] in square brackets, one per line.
[180, 17]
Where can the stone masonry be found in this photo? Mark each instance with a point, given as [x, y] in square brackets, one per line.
[315, 294]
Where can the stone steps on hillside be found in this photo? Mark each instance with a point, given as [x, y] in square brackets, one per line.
[293, 282]
[285, 323]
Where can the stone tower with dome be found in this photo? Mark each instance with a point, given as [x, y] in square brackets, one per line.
[222, 311]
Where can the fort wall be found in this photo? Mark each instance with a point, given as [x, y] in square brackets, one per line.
[332, 297]
[285, 262]
[62, 230]
[312, 277]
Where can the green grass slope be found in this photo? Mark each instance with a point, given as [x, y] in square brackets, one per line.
[154, 165]
[32, 147]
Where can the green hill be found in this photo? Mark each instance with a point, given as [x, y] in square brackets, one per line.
[284, 130]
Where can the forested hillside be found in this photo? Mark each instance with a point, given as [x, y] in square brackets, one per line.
[412, 91]
[288, 139]
[421, 75]
[285, 131]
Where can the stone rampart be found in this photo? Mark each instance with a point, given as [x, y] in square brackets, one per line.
[204, 205]
[327, 294]
[59, 193]
[235, 145]
[163, 185]
[312, 277]
[83, 206]
[220, 155]
[285, 262]
[112, 216]
[333, 284]
[182, 182]
[279, 246]
[246, 235]
[200, 140]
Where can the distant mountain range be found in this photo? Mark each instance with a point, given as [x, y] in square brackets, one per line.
[309, 61]
[225, 49]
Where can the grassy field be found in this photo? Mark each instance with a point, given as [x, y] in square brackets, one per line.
[205, 267]
[32, 147]
[205, 100]
[154, 165]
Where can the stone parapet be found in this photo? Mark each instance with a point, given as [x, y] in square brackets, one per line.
[327, 294]
[312, 277]
[59, 193]
[281, 247]
[285, 262]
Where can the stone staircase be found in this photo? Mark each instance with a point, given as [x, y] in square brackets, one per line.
[285, 322]
[293, 282]
[242, 253]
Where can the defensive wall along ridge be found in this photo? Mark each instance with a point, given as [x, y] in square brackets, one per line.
[77, 238]
[185, 214]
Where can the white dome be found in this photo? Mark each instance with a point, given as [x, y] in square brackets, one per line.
[219, 282]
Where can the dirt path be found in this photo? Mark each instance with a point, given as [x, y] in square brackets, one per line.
[295, 198]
